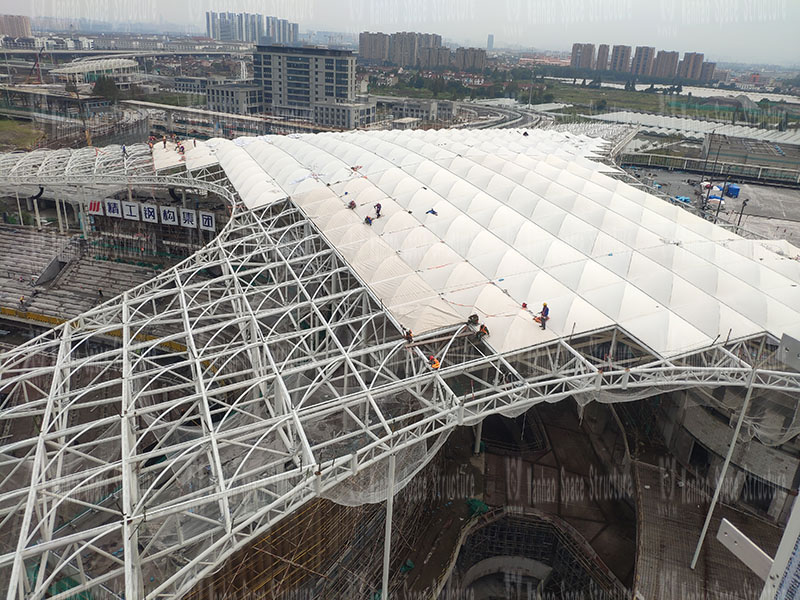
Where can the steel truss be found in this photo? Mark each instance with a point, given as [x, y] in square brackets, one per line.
[177, 422]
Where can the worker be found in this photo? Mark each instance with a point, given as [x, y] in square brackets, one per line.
[99, 293]
[544, 314]
[351, 205]
[409, 337]
[22, 301]
[431, 212]
[483, 331]
[435, 364]
[165, 141]
[378, 210]
[124, 151]
[368, 220]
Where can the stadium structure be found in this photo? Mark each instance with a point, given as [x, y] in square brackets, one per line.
[152, 437]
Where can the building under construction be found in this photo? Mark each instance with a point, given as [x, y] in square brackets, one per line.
[320, 366]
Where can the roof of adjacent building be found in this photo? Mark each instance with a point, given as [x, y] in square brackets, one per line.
[89, 66]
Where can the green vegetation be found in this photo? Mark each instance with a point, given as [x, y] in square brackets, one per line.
[18, 135]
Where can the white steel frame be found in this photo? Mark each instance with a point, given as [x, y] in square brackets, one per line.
[187, 416]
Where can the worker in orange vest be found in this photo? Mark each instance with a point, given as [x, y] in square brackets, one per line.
[435, 364]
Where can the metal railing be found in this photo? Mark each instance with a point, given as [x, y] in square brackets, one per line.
[701, 165]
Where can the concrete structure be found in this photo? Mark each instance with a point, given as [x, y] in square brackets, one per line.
[707, 72]
[691, 66]
[470, 59]
[666, 64]
[373, 47]
[620, 59]
[643, 60]
[249, 27]
[424, 110]
[313, 84]
[582, 56]
[15, 26]
[602, 57]
[235, 98]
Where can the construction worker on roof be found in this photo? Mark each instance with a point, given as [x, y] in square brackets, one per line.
[544, 316]
[483, 331]
[409, 336]
[435, 364]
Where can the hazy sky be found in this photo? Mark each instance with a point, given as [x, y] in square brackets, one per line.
[736, 30]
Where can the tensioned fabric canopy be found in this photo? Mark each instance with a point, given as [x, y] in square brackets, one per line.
[482, 222]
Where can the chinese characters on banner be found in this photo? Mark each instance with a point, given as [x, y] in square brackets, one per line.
[151, 213]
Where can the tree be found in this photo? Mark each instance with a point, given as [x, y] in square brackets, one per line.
[105, 87]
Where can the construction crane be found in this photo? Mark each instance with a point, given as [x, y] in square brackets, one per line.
[37, 68]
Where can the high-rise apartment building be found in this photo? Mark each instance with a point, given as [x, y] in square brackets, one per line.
[621, 59]
[373, 47]
[643, 60]
[313, 84]
[691, 66]
[248, 27]
[466, 59]
[707, 72]
[403, 47]
[582, 56]
[490, 43]
[430, 58]
[15, 26]
[602, 58]
[666, 64]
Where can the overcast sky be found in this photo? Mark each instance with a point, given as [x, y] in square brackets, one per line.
[735, 30]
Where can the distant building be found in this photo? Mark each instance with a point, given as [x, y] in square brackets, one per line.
[248, 27]
[582, 56]
[312, 84]
[666, 64]
[691, 66]
[490, 43]
[373, 47]
[643, 60]
[124, 71]
[707, 72]
[430, 58]
[621, 59]
[403, 47]
[15, 26]
[235, 98]
[602, 57]
[466, 59]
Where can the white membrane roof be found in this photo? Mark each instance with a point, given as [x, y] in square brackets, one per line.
[520, 219]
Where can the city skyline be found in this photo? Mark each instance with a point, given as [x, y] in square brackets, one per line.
[738, 34]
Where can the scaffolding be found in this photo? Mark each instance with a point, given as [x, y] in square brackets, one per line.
[194, 413]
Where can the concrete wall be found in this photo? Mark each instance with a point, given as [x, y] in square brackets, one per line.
[684, 422]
